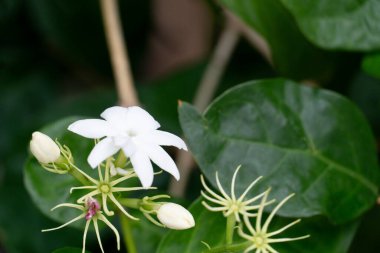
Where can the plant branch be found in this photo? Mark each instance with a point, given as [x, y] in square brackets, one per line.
[206, 90]
[253, 37]
[118, 53]
[230, 227]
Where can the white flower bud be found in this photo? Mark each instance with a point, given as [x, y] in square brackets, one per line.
[175, 216]
[44, 148]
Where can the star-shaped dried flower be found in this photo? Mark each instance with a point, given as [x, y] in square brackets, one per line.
[230, 204]
[260, 237]
[91, 213]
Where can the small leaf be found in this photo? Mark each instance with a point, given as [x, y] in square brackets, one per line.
[371, 64]
[311, 142]
[350, 25]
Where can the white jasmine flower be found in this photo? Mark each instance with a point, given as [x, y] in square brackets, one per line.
[230, 204]
[44, 148]
[175, 216]
[91, 213]
[134, 131]
[260, 237]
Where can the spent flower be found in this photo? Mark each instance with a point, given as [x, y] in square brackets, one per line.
[230, 204]
[135, 132]
[91, 213]
[259, 236]
[106, 187]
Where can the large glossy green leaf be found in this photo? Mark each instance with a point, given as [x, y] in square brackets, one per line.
[339, 24]
[292, 54]
[371, 64]
[312, 142]
[210, 228]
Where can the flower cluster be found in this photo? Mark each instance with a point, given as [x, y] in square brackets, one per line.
[127, 140]
[259, 239]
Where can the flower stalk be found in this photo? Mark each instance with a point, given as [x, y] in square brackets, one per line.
[230, 228]
[127, 235]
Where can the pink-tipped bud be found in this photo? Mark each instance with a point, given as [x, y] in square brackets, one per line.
[93, 207]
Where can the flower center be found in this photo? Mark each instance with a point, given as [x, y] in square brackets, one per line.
[260, 241]
[132, 133]
[120, 141]
[234, 206]
[104, 188]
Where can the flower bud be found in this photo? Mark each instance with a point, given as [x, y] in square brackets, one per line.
[44, 148]
[175, 216]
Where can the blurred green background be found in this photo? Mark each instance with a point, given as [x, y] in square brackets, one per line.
[54, 63]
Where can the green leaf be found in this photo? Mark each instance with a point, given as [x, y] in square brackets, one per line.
[292, 54]
[210, 228]
[324, 237]
[48, 189]
[342, 24]
[69, 250]
[371, 64]
[312, 142]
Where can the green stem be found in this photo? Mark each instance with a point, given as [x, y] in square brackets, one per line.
[230, 227]
[121, 160]
[131, 202]
[229, 248]
[127, 235]
[78, 176]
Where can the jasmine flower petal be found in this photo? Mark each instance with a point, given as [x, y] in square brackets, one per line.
[163, 138]
[92, 128]
[104, 149]
[131, 117]
[143, 168]
[159, 156]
